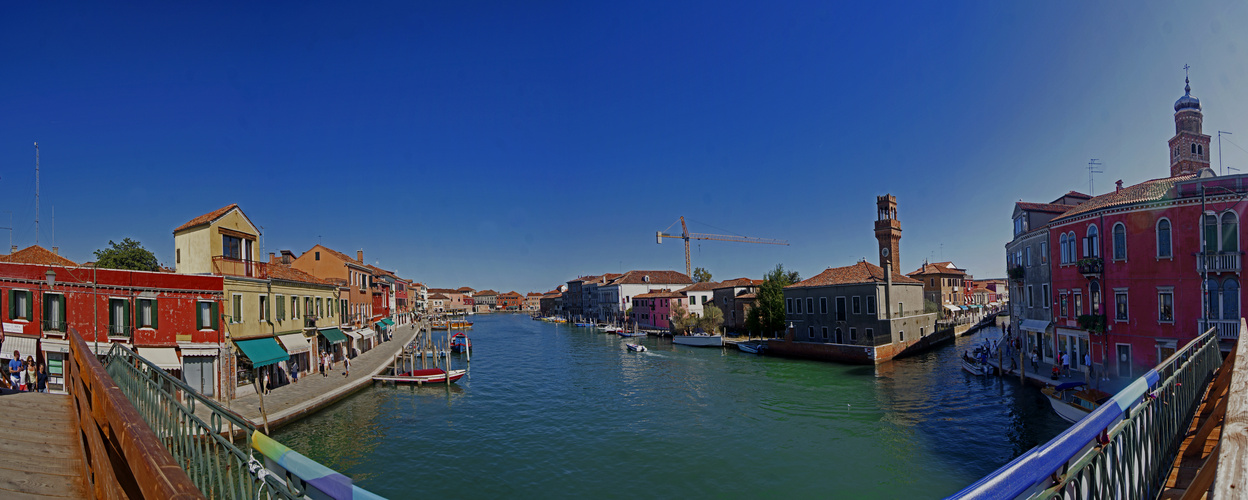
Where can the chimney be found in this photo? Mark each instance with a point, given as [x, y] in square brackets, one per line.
[1119, 184]
[272, 257]
[359, 256]
[56, 251]
[13, 249]
[287, 256]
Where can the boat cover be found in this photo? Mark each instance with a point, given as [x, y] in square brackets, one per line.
[1068, 385]
[262, 352]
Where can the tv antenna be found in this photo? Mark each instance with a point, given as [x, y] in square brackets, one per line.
[1093, 168]
[1221, 171]
[36, 193]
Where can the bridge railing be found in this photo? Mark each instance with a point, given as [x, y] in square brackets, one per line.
[124, 457]
[1124, 448]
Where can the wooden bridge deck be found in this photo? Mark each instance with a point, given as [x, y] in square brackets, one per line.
[41, 455]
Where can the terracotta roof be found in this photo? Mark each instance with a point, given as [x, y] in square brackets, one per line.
[704, 286]
[937, 268]
[442, 290]
[439, 296]
[511, 294]
[657, 277]
[36, 254]
[378, 270]
[206, 218]
[1076, 194]
[739, 282]
[862, 272]
[533, 294]
[748, 296]
[485, 293]
[279, 271]
[335, 253]
[464, 289]
[1152, 190]
[1042, 207]
[660, 294]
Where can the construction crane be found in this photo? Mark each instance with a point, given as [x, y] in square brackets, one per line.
[686, 235]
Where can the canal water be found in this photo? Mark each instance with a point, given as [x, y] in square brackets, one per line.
[553, 410]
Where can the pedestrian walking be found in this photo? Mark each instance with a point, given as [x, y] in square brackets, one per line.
[294, 371]
[16, 367]
[264, 381]
[1035, 361]
[30, 377]
[346, 367]
[41, 384]
[1065, 364]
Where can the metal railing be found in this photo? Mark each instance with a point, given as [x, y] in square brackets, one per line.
[120, 331]
[1227, 328]
[230, 266]
[1091, 266]
[1123, 449]
[1218, 262]
[53, 325]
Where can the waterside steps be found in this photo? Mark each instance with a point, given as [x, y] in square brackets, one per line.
[133, 431]
[1178, 431]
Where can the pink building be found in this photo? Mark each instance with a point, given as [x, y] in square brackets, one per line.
[654, 309]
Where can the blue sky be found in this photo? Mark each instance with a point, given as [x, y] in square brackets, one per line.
[515, 146]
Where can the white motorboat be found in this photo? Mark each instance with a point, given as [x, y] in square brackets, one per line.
[636, 347]
[751, 347]
[1071, 404]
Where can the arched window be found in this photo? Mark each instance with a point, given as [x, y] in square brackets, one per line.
[1163, 239]
[1230, 299]
[1211, 299]
[1120, 241]
[1062, 246]
[1193, 148]
[1074, 246]
[1094, 297]
[1091, 246]
[1230, 232]
[1211, 234]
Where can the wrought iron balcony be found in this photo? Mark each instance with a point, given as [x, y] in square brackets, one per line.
[1091, 266]
[229, 266]
[1218, 262]
[120, 331]
[53, 325]
[1227, 328]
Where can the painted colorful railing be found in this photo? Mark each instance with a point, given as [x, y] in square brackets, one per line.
[1123, 449]
[215, 445]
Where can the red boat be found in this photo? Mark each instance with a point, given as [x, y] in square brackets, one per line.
[430, 375]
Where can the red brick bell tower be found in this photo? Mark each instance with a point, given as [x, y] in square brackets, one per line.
[888, 231]
[1189, 148]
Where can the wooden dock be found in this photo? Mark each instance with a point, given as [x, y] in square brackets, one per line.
[43, 455]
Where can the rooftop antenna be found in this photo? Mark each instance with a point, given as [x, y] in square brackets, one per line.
[36, 193]
[10, 228]
[1093, 168]
[1221, 171]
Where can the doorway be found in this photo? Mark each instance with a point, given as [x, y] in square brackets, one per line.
[1124, 360]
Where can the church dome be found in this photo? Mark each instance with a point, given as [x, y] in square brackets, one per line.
[1187, 101]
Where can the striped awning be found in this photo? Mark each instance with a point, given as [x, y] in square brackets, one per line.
[25, 346]
[354, 335]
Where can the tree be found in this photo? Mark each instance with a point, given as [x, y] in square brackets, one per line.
[128, 254]
[771, 298]
[712, 317]
[701, 275]
[753, 321]
[679, 318]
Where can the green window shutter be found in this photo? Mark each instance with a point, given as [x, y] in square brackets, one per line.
[268, 309]
[125, 321]
[215, 310]
[199, 317]
[46, 309]
[12, 305]
[30, 306]
[155, 313]
[64, 318]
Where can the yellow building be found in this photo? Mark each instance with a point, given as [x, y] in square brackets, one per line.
[275, 316]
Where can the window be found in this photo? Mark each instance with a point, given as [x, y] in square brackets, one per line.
[1044, 252]
[1078, 305]
[1230, 232]
[148, 313]
[1062, 301]
[1212, 293]
[798, 304]
[1163, 239]
[232, 247]
[1061, 243]
[54, 312]
[1165, 305]
[1044, 295]
[20, 305]
[318, 255]
[264, 308]
[177, 256]
[207, 315]
[857, 304]
[1211, 234]
[788, 306]
[1073, 251]
[840, 338]
[1230, 299]
[1091, 247]
[840, 308]
[870, 334]
[1094, 297]
[870, 304]
[119, 317]
[823, 305]
[281, 307]
[853, 334]
[1027, 256]
[320, 311]
[825, 333]
[901, 335]
[1018, 226]
[236, 310]
[1120, 241]
[810, 305]
[1120, 305]
[1029, 296]
[810, 332]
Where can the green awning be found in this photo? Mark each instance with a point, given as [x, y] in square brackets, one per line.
[388, 322]
[333, 335]
[262, 352]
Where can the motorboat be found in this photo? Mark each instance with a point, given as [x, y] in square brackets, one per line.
[636, 347]
[1072, 403]
[972, 364]
[624, 333]
[428, 376]
[751, 347]
[699, 340]
[460, 342]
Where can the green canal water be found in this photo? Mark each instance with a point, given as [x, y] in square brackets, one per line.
[557, 411]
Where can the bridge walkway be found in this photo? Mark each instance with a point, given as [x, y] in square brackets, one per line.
[41, 455]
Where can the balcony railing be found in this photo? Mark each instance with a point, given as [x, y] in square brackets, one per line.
[1091, 266]
[1217, 262]
[229, 266]
[53, 325]
[1227, 328]
[119, 331]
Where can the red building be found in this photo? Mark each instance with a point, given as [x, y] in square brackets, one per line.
[171, 319]
[1140, 271]
[510, 301]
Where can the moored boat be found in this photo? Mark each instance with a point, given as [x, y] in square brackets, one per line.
[975, 366]
[751, 347]
[699, 340]
[624, 333]
[460, 342]
[1071, 404]
[427, 376]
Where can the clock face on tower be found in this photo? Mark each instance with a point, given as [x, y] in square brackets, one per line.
[884, 252]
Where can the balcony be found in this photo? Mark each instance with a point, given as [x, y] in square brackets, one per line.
[1227, 328]
[1218, 262]
[53, 325]
[229, 266]
[1091, 266]
[120, 331]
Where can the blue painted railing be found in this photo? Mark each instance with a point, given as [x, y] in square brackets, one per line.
[1124, 448]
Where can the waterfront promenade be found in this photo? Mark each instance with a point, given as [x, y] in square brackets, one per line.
[313, 392]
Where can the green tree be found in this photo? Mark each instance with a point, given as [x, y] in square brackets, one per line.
[701, 275]
[712, 317]
[753, 321]
[679, 318]
[771, 299]
[128, 254]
